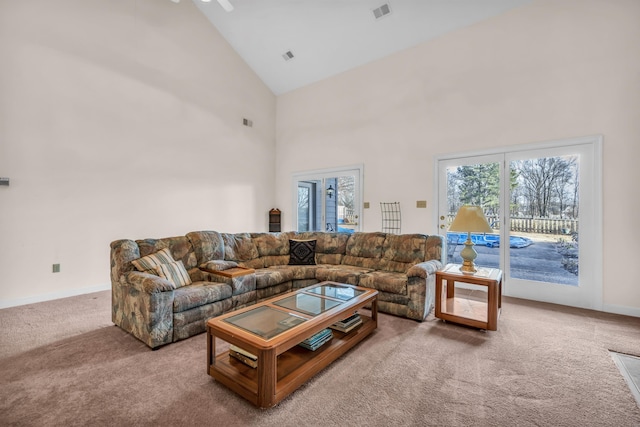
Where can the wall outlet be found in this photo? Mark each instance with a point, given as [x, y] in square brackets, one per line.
[421, 204]
[56, 268]
[366, 205]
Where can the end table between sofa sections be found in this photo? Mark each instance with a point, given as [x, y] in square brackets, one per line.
[466, 311]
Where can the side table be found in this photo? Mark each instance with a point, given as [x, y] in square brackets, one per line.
[466, 311]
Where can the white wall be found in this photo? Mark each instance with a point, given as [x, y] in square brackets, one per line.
[546, 71]
[120, 119]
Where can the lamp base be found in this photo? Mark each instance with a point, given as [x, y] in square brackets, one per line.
[468, 267]
[468, 254]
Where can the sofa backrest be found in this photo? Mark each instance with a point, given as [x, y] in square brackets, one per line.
[379, 251]
[207, 245]
[123, 251]
[330, 247]
[434, 248]
[179, 246]
[365, 249]
[401, 251]
[241, 248]
[273, 248]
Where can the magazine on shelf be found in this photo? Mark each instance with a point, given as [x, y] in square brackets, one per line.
[351, 319]
[347, 323]
[244, 359]
[320, 336]
[346, 329]
[242, 351]
[317, 340]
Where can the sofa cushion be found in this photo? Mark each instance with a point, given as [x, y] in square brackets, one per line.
[364, 250]
[267, 277]
[175, 273]
[330, 247]
[271, 260]
[198, 294]
[385, 281]
[180, 247]
[207, 245]
[239, 247]
[434, 248]
[403, 251]
[273, 249]
[150, 262]
[340, 273]
[272, 244]
[302, 252]
[299, 272]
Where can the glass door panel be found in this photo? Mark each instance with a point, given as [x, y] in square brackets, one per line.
[306, 206]
[554, 226]
[544, 209]
[472, 181]
[328, 201]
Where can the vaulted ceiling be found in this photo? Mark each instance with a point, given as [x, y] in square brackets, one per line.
[292, 43]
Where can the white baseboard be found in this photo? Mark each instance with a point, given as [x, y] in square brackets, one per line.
[621, 309]
[54, 295]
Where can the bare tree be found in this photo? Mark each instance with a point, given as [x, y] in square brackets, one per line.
[547, 184]
[346, 187]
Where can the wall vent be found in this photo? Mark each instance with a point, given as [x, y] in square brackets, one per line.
[288, 55]
[247, 122]
[382, 11]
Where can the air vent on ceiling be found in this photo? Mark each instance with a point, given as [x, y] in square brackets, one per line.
[247, 122]
[287, 55]
[382, 11]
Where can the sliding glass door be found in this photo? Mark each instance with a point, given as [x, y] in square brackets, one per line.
[542, 204]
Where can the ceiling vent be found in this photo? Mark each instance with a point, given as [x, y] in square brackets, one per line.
[247, 122]
[382, 11]
[288, 55]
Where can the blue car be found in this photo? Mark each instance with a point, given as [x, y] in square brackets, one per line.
[488, 240]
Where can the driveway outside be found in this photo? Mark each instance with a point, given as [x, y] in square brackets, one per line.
[539, 262]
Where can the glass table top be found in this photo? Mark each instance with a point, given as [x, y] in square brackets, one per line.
[266, 322]
[306, 303]
[344, 293]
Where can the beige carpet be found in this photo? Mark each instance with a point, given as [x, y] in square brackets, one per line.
[64, 363]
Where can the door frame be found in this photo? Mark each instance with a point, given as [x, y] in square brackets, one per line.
[322, 174]
[595, 296]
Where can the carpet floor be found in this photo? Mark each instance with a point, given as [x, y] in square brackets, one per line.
[64, 363]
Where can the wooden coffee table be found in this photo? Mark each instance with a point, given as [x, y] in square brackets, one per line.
[272, 330]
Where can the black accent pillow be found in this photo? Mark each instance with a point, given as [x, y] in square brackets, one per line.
[302, 252]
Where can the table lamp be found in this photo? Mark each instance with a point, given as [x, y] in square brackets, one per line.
[469, 219]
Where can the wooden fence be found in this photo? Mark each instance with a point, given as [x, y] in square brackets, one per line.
[534, 225]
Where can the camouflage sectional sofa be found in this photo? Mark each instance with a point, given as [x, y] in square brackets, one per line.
[159, 306]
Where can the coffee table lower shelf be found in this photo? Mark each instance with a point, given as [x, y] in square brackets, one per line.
[294, 366]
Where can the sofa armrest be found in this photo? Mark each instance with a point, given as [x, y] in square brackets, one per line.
[142, 305]
[148, 283]
[424, 269]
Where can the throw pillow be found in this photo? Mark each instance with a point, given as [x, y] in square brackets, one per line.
[302, 252]
[175, 273]
[150, 262]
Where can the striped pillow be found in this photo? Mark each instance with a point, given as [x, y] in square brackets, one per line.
[149, 263]
[175, 273]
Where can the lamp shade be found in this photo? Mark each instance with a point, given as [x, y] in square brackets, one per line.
[470, 219]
